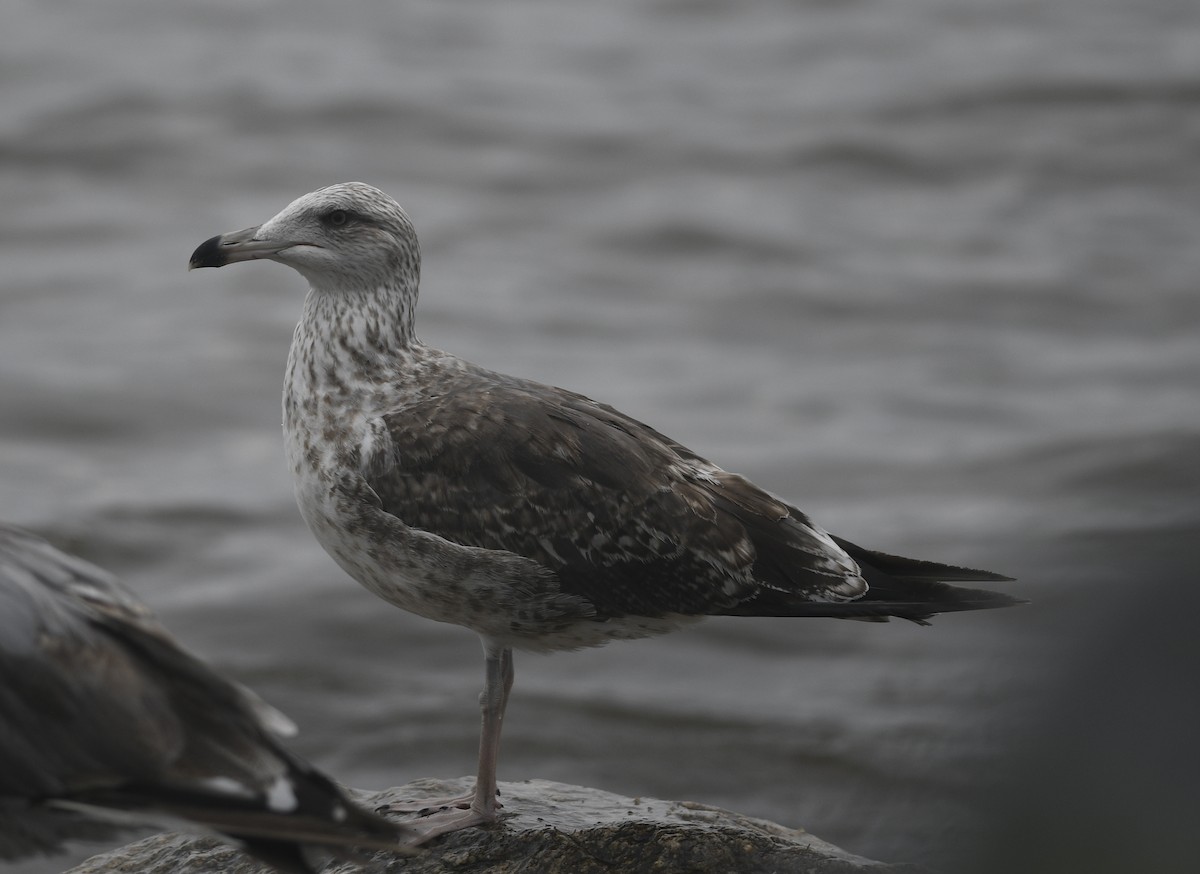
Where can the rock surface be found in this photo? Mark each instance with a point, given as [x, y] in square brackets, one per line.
[545, 828]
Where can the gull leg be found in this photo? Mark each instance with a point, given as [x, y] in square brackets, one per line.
[480, 807]
[492, 703]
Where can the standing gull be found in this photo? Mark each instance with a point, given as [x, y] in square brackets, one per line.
[538, 518]
[103, 715]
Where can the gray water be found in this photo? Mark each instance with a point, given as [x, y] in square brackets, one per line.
[928, 268]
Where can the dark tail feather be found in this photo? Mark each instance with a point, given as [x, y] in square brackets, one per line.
[907, 588]
[914, 568]
[916, 590]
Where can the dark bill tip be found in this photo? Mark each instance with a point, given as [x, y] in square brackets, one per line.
[208, 254]
[243, 245]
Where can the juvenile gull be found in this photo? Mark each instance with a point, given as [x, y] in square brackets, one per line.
[536, 517]
[105, 723]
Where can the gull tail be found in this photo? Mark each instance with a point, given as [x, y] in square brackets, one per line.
[916, 590]
[906, 588]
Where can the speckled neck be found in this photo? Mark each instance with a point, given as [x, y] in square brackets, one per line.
[347, 335]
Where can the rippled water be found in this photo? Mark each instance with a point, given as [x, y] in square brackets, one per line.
[926, 267]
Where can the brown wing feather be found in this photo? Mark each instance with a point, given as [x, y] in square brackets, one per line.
[627, 519]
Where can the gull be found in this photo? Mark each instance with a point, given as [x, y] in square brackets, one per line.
[107, 723]
[535, 516]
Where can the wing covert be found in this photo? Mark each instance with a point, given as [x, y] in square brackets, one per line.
[626, 518]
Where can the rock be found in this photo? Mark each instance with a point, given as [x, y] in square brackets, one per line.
[545, 828]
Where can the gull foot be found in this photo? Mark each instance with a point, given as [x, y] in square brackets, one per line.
[431, 806]
[447, 820]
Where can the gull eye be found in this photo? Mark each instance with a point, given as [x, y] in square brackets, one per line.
[337, 218]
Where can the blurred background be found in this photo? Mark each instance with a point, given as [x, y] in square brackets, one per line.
[927, 268]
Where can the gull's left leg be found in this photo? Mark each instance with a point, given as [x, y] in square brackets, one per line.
[480, 807]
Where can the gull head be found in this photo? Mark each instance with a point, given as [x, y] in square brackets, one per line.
[349, 236]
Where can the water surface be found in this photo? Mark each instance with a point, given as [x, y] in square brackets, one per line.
[925, 267]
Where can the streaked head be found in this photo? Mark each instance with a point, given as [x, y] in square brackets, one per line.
[346, 236]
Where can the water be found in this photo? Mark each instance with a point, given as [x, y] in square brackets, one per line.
[928, 268]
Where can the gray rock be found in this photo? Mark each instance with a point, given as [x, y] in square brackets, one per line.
[546, 828]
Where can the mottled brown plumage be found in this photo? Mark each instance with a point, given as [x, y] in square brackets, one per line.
[537, 517]
[625, 520]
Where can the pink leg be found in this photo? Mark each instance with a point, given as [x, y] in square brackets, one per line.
[480, 807]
